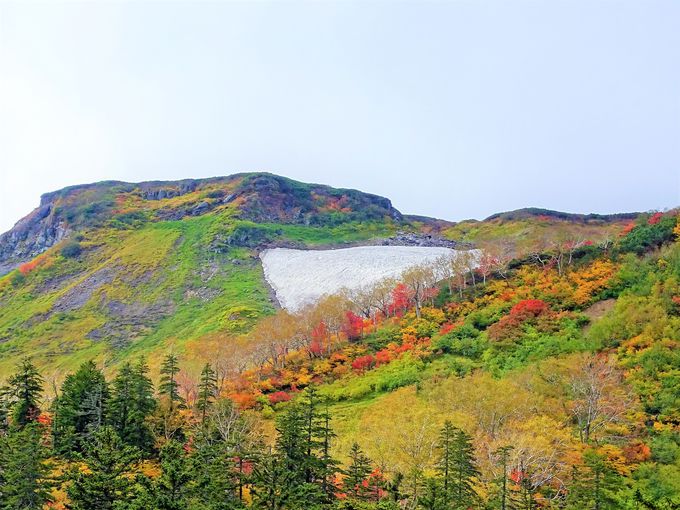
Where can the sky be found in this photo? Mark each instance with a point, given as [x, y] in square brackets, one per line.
[453, 109]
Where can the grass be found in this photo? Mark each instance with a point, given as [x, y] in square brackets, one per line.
[210, 288]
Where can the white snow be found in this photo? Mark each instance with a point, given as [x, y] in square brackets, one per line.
[301, 277]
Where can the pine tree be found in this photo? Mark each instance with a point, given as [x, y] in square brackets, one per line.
[445, 465]
[207, 390]
[108, 481]
[357, 472]
[329, 466]
[25, 388]
[24, 470]
[132, 402]
[80, 409]
[168, 384]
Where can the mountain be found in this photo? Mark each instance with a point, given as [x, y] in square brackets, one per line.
[114, 269]
[544, 363]
[107, 268]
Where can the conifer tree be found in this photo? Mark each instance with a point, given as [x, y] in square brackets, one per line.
[25, 388]
[170, 490]
[505, 499]
[329, 465]
[432, 497]
[24, 469]
[300, 442]
[217, 479]
[80, 409]
[357, 472]
[456, 467]
[107, 482]
[168, 383]
[132, 401]
[594, 485]
[207, 390]
[274, 484]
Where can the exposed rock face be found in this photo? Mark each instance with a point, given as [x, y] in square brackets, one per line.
[427, 240]
[274, 199]
[261, 198]
[128, 321]
[31, 236]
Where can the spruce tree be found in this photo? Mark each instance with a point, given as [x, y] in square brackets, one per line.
[107, 482]
[168, 385]
[432, 497]
[445, 464]
[80, 409]
[207, 390]
[24, 469]
[594, 485]
[274, 484]
[505, 495]
[357, 472]
[25, 388]
[132, 402]
[300, 442]
[170, 490]
[456, 467]
[217, 475]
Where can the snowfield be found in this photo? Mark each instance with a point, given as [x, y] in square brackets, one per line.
[301, 277]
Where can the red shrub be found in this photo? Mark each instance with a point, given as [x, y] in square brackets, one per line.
[655, 218]
[278, 396]
[363, 363]
[354, 326]
[529, 308]
[383, 357]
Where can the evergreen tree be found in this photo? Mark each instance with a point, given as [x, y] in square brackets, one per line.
[207, 390]
[5, 409]
[300, 442]
[273, 484]
[217, 479]
[594, 485]
[132, 402]
[329, 466]
[24, 471]
[456, 467]
[445, 462]
[432, 497]
[25, 388]
[505, 498]
[80, 408]
[168, 385]
[107, 482]
[170, 490]
[357, 473]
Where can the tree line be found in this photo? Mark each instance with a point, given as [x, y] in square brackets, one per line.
[124, 444]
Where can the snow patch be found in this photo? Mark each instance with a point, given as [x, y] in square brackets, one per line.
[302, 277]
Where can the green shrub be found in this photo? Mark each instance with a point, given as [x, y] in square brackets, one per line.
[71, 250]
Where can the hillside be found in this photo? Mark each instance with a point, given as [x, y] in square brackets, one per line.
[111, 270]
[547, 381]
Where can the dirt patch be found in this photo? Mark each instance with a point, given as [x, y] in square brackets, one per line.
[79, 294]
[599, 309]
[128, 321]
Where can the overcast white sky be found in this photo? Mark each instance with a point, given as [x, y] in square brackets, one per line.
[452, 109]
